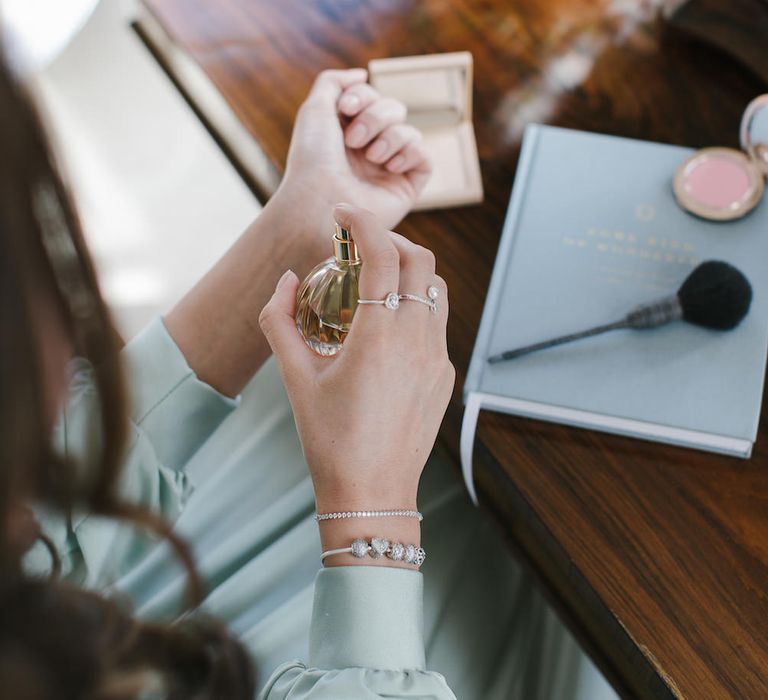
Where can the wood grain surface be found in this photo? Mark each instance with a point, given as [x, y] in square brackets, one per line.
[656, 556]
[739, 27]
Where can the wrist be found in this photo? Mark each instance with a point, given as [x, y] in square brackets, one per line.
[342, 498]
[338, 533]
[306, 212]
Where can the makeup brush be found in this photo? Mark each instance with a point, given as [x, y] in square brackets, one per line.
[715, 295]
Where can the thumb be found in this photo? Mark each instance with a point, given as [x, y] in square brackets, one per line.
[329, 85]
[279, 326]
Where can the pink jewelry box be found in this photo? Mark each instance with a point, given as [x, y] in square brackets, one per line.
[437, 90]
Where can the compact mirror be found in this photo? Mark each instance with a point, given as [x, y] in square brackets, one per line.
[754, 132]
[722, 184]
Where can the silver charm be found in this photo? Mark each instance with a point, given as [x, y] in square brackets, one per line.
[410, 554]
[379, 547]
[359, 548]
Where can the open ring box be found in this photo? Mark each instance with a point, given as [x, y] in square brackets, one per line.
[437, 90]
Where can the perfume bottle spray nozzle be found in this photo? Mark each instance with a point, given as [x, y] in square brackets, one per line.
[344, 248]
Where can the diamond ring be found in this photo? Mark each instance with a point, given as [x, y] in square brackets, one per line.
[393, 299]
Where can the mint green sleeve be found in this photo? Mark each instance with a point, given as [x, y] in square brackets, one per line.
[366, 641]
[172, 413]
[168, 404]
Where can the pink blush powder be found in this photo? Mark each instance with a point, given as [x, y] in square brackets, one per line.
[718, 181]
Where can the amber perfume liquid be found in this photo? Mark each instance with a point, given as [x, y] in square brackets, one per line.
[327, 298]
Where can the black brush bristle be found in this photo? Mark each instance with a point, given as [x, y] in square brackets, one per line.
[715, 295]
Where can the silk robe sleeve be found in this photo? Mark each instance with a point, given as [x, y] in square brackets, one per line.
[366, 641]
[172, 413]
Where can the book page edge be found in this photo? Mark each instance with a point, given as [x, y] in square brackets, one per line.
[741, 447]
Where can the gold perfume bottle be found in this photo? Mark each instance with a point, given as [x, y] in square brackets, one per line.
[327, 298]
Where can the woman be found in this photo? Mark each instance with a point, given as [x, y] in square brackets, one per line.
[51, 307]
[367, 420]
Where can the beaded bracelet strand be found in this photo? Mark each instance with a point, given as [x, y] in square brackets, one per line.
[379, 547]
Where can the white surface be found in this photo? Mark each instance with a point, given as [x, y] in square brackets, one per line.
[38, 30]
[159, 201]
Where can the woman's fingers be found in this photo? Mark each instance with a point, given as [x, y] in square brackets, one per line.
[317, 133]
[391, 141]
[279, 326]
[392, 263]
[377, 124]
[414, 163]
[417, 275]
[380, 272]
[330, 84]
[442, 311]
[412, 156]
[371, 121]
[417, 266]
[356, 98]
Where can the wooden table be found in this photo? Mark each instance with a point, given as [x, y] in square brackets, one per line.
[657, 557]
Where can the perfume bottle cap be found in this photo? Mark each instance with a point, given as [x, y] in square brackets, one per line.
[344, 248]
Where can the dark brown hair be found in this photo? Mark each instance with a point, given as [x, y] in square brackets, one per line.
[57, 641]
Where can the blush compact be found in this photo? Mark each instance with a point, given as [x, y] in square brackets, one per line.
[722, 184]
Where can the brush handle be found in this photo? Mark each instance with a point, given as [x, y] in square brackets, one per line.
[653, 315]
[657, 313]
[597, 330]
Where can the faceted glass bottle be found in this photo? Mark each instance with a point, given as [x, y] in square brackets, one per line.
[327, 298]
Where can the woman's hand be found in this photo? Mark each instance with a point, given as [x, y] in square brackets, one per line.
[330, 160]
[351, 143]
[368, 417]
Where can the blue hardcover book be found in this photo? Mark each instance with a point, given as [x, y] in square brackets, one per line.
[593, 230]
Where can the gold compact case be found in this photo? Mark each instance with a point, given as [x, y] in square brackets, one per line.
[437, 90]
[722, 184]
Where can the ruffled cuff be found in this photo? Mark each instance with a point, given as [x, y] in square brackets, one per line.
[367, 616]
[294, 681]
[176, 410]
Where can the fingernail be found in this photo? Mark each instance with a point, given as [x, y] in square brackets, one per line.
[341, 212]
[356, 135]
[349, 103]
[396, 163]
[283, 279]
[378, 149]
